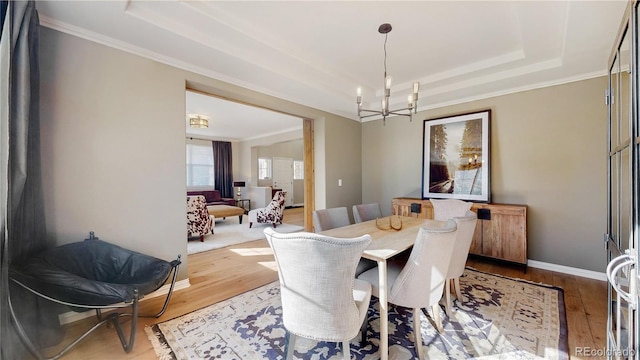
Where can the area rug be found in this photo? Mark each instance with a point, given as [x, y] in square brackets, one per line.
[501, 318]
[230, 232]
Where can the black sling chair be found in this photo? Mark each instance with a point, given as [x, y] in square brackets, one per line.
[92, 274]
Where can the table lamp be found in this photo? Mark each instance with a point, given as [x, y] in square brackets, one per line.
[239, 184]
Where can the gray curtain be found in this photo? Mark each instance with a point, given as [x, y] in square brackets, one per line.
[22, 229]
[222, 171]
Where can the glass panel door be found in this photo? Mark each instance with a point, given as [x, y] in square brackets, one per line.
[622, 190]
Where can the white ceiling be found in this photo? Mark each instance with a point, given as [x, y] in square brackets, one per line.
[233, 121]
[317, 53]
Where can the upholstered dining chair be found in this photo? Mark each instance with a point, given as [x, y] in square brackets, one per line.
[272, 214]
[326, 219]
[321, 298]
[464, 235]
[199, 222]
[366, 212]
[419, 282]
[446, 209]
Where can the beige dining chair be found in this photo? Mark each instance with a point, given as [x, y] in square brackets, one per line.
[325, 219]
[446, 209]
[366, 212]
[321, 298]
[420, 281]
[464, 235]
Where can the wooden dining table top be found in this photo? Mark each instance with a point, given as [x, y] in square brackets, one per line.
[388, 242]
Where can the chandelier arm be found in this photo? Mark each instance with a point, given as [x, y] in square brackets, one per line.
[371, 111]
[396, 112]
[399, 114]
[375, 113]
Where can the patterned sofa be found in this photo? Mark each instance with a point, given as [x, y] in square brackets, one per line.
[212, 197]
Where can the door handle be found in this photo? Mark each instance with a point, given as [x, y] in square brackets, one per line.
[613, 268]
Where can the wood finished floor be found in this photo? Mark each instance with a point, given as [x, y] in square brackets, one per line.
[223, 273]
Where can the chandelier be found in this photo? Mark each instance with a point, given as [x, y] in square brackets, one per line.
[412, 100]
[198, 121]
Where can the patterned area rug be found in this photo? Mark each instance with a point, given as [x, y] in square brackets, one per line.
[501, 318]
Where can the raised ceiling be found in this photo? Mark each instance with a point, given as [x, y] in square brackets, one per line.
[317, 53]
[232, 121]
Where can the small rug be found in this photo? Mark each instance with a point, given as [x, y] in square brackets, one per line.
[501, 318]
[230, 232]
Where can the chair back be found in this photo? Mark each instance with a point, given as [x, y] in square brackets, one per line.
[446, 209]
[366, 212]
[199, 221]
[275, 209]
[464, 235]
[421, 281]
[316, 275]
[326, 219]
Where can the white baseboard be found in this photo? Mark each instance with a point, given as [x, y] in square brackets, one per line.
[567, 270]
[72, 316]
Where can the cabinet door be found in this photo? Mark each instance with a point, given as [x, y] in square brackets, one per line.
[476, 242]
[401, 209]
[504, 236]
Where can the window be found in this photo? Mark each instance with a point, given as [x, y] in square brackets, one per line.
[199, 165]
[264, 168]
[298, 170]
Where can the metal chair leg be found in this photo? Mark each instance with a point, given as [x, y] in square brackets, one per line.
[176, 265]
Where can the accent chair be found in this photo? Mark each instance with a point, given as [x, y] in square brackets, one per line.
[272, 214]
[199, 222]
[321, 298]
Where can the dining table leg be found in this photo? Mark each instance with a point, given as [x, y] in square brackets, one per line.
[384, 310]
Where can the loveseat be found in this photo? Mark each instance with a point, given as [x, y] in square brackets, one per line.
[212, 197]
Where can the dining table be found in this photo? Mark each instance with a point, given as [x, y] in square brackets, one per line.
[390, 236]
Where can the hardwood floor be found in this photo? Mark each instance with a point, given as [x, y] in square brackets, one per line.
[223, 273]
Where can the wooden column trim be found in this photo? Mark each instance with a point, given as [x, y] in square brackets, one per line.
[309, 174]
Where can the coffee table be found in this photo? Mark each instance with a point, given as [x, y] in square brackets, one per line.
[222, 211]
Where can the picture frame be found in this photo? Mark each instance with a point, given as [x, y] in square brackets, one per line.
[456, 158]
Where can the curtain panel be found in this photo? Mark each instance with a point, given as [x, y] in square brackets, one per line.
[222, 168]
[22, 231]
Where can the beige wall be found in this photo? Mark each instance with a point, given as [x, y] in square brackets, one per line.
[113, 153]
[548, 151]
[113, 145]
[340, 159]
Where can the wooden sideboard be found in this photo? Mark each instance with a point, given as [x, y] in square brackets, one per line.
[501, 231]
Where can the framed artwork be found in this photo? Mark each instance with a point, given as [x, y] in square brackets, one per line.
[456, 157]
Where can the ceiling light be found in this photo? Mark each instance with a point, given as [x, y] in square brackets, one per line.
[198, 121]
[412, 101]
